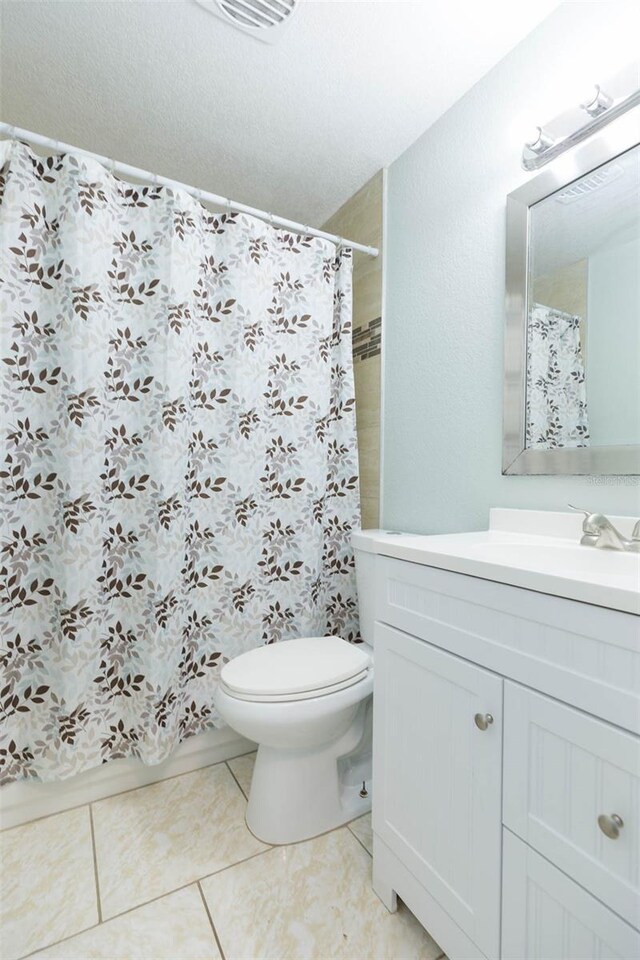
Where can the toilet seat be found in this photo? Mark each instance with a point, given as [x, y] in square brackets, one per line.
[296, 669]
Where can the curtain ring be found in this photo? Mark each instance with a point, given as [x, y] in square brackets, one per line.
[227, 204]
[112, 166]
[270, 218]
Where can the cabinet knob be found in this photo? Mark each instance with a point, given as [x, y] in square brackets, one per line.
[610, 825]
[483, 720]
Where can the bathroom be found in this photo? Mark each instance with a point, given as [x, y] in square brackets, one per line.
[320, 480]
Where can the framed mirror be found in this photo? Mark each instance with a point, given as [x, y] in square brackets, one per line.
[572, 345]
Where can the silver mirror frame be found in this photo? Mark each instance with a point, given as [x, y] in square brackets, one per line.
[620, 135]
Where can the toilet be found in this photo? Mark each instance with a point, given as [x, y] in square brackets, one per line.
[307, 703]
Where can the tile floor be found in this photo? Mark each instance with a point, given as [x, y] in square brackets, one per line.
[171, 872]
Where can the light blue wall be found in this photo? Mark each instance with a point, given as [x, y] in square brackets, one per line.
[444, 312]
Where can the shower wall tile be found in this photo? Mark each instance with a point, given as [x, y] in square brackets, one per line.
[367, 293]
[47, 883]
[370, 511]
[173, 926]
[360, 219]
[161, 837]
[367, 380]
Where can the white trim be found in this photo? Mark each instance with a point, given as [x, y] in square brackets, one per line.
[383, 340]
[127, 171]
[27, 800]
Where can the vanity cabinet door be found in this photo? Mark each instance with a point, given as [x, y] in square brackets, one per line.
[547, 916]
[437, 775]
[572, 791]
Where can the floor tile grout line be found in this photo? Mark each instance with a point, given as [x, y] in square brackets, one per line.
[49, 946]
[230, 866]
[213, 926]
[138, 906]
[190, 883]
[95, 864]
[120, 793]
[105, 920]
[236, 779]
[145, 903]
[354, 834]
[116, 916]
[184, 886]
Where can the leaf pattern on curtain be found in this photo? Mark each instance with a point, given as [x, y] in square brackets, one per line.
[556, 388]
[179, 462]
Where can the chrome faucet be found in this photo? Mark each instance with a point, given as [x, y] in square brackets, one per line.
[598, 531]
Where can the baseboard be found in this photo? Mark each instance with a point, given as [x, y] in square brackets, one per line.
[28, 800]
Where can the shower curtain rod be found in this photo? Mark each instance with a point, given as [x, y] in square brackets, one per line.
[124, 169]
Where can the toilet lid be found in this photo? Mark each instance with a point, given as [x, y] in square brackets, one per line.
[294, 666]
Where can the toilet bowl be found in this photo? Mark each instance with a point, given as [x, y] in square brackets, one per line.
[306, 702]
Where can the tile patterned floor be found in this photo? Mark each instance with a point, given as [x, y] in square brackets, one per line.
[171, 872]
[158, 838]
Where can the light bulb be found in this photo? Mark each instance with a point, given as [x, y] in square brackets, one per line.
[597, 102]
[539, 141]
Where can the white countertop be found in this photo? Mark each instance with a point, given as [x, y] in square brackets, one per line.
[535, 549]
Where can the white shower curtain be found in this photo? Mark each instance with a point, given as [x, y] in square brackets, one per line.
[556, 407]
[179, 462]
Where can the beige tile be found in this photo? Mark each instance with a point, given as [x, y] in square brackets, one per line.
[370, 513]
[369, 451]
[369, 443]
[360, 218]
[174, 926]
[367, 392]
[361, 828]
[48, 886]
[367, 297]
[369, 487]
[369, 463]
[161, 837]
[242, 769]
[311, 900]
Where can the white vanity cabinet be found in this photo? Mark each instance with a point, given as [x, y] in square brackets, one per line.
[438, 777]
[506, 810]
[547, 915]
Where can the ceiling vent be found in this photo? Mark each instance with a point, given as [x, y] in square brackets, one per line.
[263, 19]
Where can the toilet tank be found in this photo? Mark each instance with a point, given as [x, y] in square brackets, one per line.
[365, 549]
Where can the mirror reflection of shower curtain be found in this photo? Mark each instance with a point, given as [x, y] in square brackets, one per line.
[556, 402]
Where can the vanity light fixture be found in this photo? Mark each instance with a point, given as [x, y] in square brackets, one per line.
[598, 102]
[540, 141]
[617, 95]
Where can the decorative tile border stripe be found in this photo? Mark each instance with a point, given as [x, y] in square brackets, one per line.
[367, 340]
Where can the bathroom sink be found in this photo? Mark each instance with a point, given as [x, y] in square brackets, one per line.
[549, 560]
[563, 559]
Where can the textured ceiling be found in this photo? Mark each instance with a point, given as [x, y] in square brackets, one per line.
[294, 128]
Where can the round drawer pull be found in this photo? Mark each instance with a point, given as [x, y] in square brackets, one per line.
[483, 720]
[610, 825]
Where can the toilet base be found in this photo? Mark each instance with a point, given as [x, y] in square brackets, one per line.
[299, 794]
